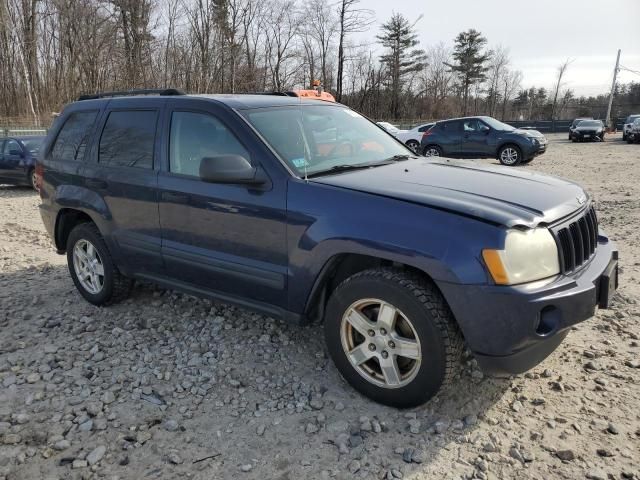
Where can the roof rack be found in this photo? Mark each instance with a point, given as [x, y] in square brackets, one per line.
[133, 92]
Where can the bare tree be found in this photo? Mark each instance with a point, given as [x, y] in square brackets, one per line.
[562, 69]
[351, 19]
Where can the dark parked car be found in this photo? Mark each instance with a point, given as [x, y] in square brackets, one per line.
[305, 210]
[482, 137]
[634, 132]
[588, 130]
[575, 123]
[626, 128]
[18, 160]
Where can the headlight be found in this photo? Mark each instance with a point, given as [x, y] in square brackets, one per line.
[528, 255]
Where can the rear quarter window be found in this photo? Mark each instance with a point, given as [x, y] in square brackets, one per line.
[127, 139]
[72, 139]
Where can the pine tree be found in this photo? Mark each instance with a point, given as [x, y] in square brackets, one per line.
[401, 58]
[470, 62]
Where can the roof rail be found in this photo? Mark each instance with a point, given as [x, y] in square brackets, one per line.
[133, 92]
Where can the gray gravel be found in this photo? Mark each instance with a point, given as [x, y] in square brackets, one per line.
[166, 385]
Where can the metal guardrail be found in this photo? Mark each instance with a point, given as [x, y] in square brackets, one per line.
[21, 132]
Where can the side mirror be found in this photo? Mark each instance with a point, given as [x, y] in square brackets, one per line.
[229, 169]
[16, 153]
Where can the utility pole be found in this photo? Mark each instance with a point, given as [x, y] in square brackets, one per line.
[613, 87]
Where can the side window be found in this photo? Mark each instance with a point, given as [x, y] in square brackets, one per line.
[424, 128]
[471, 125]
[11, 145]
[195, 136]
[127, 139]
[74, 134]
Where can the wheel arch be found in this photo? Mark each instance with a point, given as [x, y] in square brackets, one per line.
[342, 266]
[507, 143]
[66, 220]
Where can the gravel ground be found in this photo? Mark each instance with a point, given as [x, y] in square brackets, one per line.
[166, 385]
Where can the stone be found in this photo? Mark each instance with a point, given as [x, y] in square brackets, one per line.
[78, 463]
[247, 467]
[96, 454]
[61, 445]
[353, 467]
[414, 426]
[170, 425]
[143, 437]
[33, 377]
[108, 397]
[12, 439]
[174, 458]
[566, 455]
[612, 429]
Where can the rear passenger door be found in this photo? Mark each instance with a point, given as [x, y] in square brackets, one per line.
[228, 239]
[121, 174]
[10, 164]
[450, 138]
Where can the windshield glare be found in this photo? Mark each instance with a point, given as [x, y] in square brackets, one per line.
[315, 138]
[497, 125]
[590, 123]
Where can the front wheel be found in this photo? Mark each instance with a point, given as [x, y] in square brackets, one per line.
[392, 336]
[92, 269]
[33, 179]
[510, 155]
[624, 137]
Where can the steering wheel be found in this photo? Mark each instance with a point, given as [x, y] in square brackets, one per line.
[331, 153]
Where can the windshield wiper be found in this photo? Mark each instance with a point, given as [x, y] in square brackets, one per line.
[360, 166]
[341, 168]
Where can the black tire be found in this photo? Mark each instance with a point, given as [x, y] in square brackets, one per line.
[32, 178]
[624, 137]
[413, 145]
[436, 151]
[116, 287]
[435, 328]
[517, 151]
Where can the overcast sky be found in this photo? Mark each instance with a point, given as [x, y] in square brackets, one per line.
[540, 34]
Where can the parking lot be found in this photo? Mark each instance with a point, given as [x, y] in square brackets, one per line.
[165, 385]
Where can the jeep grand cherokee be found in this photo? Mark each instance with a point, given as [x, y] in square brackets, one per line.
[303, 209]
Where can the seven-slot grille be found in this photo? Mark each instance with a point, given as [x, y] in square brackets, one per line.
[577, 240]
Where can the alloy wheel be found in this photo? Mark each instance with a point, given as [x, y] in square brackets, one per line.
[381, 343]
[509, 156]
[88, 266]
[432, 152]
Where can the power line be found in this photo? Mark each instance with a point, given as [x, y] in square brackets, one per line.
[622, 67]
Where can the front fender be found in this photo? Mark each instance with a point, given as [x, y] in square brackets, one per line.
[329, 222]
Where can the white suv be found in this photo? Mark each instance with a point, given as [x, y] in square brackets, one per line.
[627, 125]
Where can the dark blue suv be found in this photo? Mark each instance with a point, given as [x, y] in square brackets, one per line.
[18, 160]
[303, 209]
[482, 137]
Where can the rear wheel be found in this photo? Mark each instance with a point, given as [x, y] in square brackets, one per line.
[432, 151]
[392, 336]
[624, 137]
[413, 145]
[510, 155]
[92, 269]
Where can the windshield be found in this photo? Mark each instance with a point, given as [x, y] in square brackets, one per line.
[317, 138]
[497, 125]
[33, 145]
[631, 118]
[590, 123]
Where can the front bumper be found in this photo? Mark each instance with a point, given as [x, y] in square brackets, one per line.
[512, 329]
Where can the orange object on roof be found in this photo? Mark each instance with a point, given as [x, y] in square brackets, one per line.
[316, 94]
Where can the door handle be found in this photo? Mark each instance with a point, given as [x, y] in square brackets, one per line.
[97, 184]
[175, 197]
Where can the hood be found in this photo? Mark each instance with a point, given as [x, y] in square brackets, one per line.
[500, 195]
[528, 133]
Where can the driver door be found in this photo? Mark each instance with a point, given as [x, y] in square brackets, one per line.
[223, 238]
[475, 138]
